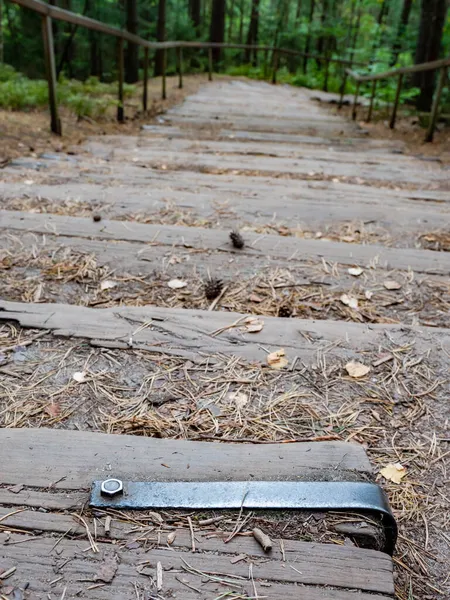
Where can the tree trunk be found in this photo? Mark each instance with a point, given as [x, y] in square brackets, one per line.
[160, 36]
[241, 22]
[1, 32]
[432, 20]
[195, 13]
[298, 12]
[230, 22]
[217, 29]
[402, 26]
[308, 38]
[252, 35]
[132, 53]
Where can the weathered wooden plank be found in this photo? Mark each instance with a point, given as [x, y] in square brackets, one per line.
[77, 458]
[36, 560]
[178, 331]
[285, 248]
[305, 166]
[229, 147]
[57, 523]
[346, 144]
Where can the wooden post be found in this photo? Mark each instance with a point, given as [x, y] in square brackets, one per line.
[49, 50]
[180, 67]
[372, 98]
[145, 96]
[164, 65]
[120, 107]
[343, 86]
[210, 64]
[355, 100]
[266, 63]
[327, 72]
[435, 108]
[275, 66]
[396, 101]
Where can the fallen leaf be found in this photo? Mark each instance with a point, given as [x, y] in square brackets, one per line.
[53, 409]
[255, 298]
[176, 284]
[392, 285]
[107, 284]
[79, 376]
[355, 271]
[393, 472]
[252, 325]
[350, 301]
[171, 537]
[108, 569]
[356, 369]
[277, 360]
[239, 398]
[368, 294]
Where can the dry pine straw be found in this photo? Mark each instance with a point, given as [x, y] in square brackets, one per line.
[140, 393]
[45, 273]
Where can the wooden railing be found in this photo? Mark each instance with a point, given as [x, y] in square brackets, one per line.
[49, 12]
[438, 65]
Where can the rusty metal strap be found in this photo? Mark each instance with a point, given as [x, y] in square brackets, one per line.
[269, 495]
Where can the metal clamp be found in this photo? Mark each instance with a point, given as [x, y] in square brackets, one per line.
[278, 495]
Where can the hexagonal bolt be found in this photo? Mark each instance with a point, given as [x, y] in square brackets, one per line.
[111, 488]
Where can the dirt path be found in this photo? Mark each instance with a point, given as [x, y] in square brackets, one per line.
[344, 258]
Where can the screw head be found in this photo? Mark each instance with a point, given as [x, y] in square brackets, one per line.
[111, 487]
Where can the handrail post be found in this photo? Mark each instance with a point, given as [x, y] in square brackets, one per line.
[435, 108]
[120, 106]
[275, 66]
[266, 61]
[163, 82]
[327, 71]
[145, 95]
[210, 64]
[47, 34]
[396, 101]
[344, 83]
[180, 67]
[355, 100]
[372, 98]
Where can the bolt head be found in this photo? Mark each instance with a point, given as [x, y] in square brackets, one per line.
[111, 487]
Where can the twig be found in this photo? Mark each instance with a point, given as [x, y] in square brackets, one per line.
[192, 534]
[263, 540]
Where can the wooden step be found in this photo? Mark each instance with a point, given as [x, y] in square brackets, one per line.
[194, 333]
[124, 560]
[278, 248]
[306, 209]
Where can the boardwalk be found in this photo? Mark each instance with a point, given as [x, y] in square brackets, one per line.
[106, 329]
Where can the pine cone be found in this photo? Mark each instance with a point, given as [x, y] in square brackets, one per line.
[285, 311]
[237, 240]
[212, 288]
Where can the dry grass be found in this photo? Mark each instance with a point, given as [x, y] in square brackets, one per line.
[59, 274]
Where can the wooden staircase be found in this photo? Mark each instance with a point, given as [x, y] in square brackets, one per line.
[106, 330]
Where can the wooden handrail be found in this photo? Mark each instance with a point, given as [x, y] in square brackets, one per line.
[428, 66]
[442, 65]
[50, 12]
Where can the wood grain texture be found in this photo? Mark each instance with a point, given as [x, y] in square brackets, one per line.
[180, 331]
[81, 457]
[75, 570]
[283, 248]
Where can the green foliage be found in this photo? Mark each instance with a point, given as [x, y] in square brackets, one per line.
[91, 98]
